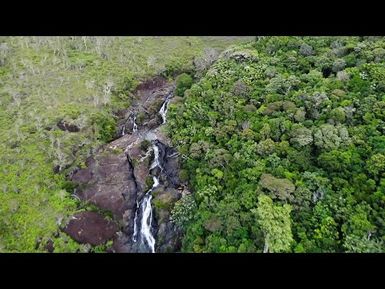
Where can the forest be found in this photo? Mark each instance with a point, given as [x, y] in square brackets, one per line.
[280, 138]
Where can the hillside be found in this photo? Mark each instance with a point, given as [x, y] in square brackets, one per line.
[58, 99]
[192, 144]
[284, 149]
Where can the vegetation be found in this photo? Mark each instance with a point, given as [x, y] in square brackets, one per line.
[283, 147]
[281, 138]
[58, 96]
[183, 82]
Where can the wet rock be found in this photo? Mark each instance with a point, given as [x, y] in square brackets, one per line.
[141, 161]
[121, 244]
[168, 235]
[170, 164]
[91, 228]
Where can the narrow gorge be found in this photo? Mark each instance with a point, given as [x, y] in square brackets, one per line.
[133, 181]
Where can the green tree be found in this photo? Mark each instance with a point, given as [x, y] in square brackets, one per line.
[183, 82]
[301, 136]
[275, 222]
[280, 188]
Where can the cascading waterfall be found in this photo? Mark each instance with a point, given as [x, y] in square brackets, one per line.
[135, 126]
[144, 209]
[163, 109]
[155, 163]
[147, 218]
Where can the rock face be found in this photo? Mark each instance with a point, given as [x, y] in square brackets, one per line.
[119, 174]
[169, 237]
[109, 182]
[90, 227]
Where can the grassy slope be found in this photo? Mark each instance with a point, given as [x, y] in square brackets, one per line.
[45, 79]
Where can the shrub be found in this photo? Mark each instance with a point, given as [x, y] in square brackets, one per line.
[183, 82]
[105, 126]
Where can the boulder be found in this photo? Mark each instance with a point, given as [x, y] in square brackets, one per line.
[90, 228]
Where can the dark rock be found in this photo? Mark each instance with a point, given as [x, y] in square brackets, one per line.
[141, 163]
[82, 176]
[91, 228]
[49, 246]
[168, 234]
[171, 165]
[153, 123]
[108, 181]
[63, 125]
[121, 244]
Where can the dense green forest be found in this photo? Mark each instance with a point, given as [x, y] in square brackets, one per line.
[281, 138]
[284, 148]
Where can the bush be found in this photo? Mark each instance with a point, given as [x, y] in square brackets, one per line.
[183, 82]
[144, 145]
[105, 126]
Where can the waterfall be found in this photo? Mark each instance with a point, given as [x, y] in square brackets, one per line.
[144, 210]
[135, 126]
[163, 109]
[146, 222]
[134, 236]
[156, 163]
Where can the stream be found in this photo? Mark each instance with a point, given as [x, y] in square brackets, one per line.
[143, 230]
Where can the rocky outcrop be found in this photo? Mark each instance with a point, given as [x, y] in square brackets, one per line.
[168, 235]
[91, 228]
[108, 181]
[149, 97]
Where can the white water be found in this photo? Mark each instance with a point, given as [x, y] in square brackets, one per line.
[145, 208]
[163, 110]
[135, 221]
[123, 130]
[155, 163]
[156, 182]
[135, 127]
[146, 222]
